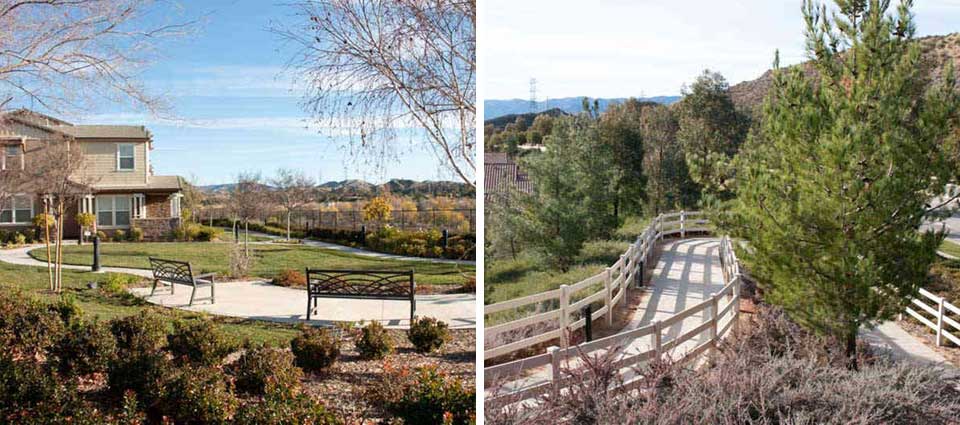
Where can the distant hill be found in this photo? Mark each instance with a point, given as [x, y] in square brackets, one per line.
[362, 189]
[494, 108]
[500, 122]
[938, 51]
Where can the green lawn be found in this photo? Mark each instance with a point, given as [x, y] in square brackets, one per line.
[950, 248]
[270, 259]
[32, 281]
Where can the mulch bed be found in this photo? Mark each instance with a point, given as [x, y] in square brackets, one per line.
[346, 387]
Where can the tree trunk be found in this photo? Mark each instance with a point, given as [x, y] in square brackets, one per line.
[246, 238]
[46, 225]
[59, 272]
[851, 350]
[288, 225]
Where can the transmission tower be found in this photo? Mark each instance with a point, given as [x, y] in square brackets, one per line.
[533, 95]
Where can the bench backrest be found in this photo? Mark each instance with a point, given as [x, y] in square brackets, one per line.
[172, 271]
[398, 285]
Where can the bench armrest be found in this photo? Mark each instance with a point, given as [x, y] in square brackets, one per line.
[206, 276]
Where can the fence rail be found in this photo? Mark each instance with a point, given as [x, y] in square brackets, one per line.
[721, 311]
[937, 316]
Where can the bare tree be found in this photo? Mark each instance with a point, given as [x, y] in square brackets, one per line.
[247, 201]
[70, 54]
[58, 171]
[292, 189]
[379, 66]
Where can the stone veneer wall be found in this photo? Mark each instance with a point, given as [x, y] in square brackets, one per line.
[156, 228]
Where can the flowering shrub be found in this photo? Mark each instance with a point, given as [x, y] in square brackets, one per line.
[315, 349]
[374, 342]
[290, 278]
[428, 334]
[199, 342]
[263, 370]
[426, 396]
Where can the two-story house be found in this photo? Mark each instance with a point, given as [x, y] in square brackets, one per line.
[124, 193]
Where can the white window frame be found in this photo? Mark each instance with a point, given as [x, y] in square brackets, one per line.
[138, 206]
[175, 207]
[3, 160]
[100, 201]
[132, 156]
[13, 212]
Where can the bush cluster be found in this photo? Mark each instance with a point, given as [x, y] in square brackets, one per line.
[421, 243]
[200, 395]
[83, 349]
[374, 342]
[285, 409]
[316, 349]
[428, 334]
[142, 333]
[117, 283]
[16, 238]
[290, 278]
[427, 396]
[199, 342]
[264, 370]
[190, 232]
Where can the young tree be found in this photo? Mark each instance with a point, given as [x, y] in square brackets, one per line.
[58, 171]
[711, 132]
[292, 190]
[378, 66]
[248, 201]
[622, 137]
[571, 200]
[833, 189]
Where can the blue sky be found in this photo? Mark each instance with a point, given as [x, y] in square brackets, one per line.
[622, 48]
[237, 110]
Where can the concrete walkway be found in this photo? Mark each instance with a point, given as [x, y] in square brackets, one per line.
[890, 337]
[355, 251]
[263, 301]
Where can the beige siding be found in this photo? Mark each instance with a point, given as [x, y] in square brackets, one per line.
[18, 129]
[101, 160]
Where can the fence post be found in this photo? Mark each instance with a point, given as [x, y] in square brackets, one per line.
[683, 228]
[736, 305]
[608, 296]
[587, 313]
[660, 227]
[555, 369]
[940, 313]
[715, 317]
[564, 301]
[657, 341]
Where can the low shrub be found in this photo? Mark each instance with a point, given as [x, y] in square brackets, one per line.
[119, 235]
[374, 341]
[31, 394]
[428, 334]
[19, 239]
[84, 349]
[200, 396]
[146, 374]
[285, 409]
[421, 243]
[143, 333]
[207, 234]
[102, 236]
[240, 262]
[117, 283]
[199, 342]
[265, 370]
[315, 349]
[27, 326]
[67, 309]
[290, 278]
[136, 234]
[427, 396]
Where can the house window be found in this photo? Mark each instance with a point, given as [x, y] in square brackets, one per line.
[10, 155]
[175, 204]
[17, 210]
[113, 211]
[125, 158]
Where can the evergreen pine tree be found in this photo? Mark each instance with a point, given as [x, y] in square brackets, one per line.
[832, 190]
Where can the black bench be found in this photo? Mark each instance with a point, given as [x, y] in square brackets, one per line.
[174, 272]
[364, 284]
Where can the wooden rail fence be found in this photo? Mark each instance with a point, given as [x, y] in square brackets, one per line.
[937, 316]
[720, 312]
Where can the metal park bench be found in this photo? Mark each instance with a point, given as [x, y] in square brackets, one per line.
[174, 272]
[363, 284]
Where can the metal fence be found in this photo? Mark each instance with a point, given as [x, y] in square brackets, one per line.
[461, 219]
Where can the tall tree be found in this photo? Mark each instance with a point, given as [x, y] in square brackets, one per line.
[668, 183]
[377, 66]
[833, 188]
[292, 190]
[248, 200]
[621, 135]
[711, 131]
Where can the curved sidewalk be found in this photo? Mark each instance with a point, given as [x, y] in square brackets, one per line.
[261, 300]
[356, 251]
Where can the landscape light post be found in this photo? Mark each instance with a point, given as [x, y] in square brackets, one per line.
[96, 253]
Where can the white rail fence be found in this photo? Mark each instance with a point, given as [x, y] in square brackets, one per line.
[548, 314]
[719, 315]
[937, 316]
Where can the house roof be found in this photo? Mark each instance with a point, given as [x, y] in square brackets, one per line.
[104, 131]
[501, 175]
[157, 183]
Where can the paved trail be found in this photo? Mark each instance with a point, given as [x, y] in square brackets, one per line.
[261, 300]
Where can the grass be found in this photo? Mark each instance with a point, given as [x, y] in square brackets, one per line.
[950, 248]
[33, 281]
[270, 259]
